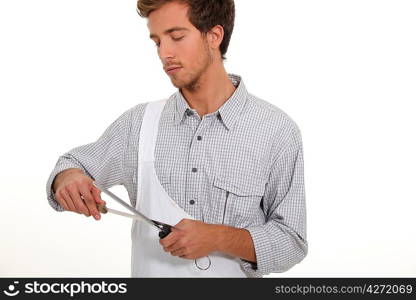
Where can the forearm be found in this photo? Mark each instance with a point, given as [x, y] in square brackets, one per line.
[236, 242]
[100, 160]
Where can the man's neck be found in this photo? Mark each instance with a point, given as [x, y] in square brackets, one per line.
[213, 90]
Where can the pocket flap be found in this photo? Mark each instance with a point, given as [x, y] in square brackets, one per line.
[255, 187]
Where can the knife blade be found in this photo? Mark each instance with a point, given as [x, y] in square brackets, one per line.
[164, 229]
[104, 209]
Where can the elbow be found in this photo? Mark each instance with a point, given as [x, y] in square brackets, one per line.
[301, 253]
[293, 256]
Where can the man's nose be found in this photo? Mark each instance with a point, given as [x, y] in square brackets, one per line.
[165, 51]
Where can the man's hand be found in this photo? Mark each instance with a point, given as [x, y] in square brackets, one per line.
[191, 239]
[76, 192]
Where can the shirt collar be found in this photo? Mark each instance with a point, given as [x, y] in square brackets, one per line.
[228, 112]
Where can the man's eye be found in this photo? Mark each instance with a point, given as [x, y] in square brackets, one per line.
[177, 39]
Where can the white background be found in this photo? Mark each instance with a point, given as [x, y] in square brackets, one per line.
[345, 71]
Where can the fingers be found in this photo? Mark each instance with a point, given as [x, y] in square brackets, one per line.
[179, 252]
[77, 201]
[172, 240]
[172, 247]
[96, 193]
[77, 193]
[61, 200]
[177, 249]
[89, 201]
[80, 198]
[68, 200]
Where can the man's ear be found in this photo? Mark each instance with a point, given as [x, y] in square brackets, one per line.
[215, 36]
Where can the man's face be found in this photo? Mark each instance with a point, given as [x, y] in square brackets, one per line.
[184, 52]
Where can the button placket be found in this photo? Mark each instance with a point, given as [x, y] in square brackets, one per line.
[195, 162]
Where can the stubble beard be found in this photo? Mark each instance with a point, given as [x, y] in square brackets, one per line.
[193, 83]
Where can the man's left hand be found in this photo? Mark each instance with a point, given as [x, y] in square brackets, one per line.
[191, 239]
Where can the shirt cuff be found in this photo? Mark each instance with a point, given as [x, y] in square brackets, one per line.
[263, 249]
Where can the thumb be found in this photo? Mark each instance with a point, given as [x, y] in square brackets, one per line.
[181, 224]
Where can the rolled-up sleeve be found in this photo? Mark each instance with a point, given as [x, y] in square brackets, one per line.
[101, 160]
[281, 243]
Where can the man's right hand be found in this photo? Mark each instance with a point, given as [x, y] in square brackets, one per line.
[75, 192]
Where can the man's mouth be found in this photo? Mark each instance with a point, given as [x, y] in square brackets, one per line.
[172, 70]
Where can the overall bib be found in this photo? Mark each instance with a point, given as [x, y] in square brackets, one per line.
[148, 259]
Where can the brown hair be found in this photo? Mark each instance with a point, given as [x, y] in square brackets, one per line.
[203, 14]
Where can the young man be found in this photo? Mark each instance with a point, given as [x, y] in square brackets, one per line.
[221, 165]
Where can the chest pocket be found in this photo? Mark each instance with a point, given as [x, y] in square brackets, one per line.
[239, 201]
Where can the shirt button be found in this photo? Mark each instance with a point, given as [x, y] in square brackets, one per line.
[189, 112]
[194, 170]
[199, 137]
[192, 202]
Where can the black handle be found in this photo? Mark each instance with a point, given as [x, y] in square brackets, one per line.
[166, 229]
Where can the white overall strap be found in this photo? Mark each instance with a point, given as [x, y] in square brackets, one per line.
[147, 138]
[149, 129]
